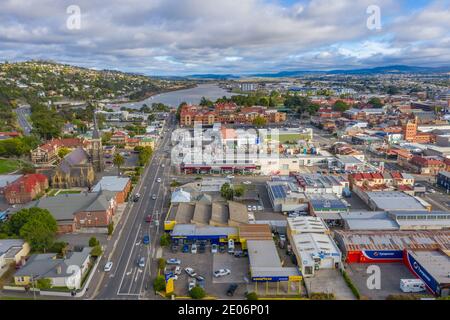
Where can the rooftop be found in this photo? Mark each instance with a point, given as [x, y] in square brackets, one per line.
[111, 183]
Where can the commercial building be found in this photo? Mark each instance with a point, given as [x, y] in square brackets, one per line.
[188, 233]
[312, 245]
[328, 207]
[285, 196]
[400, 220]
[120, 185]
[265, 264]
[26, 188]
[392, 201]
[443, 180]
[320, 184]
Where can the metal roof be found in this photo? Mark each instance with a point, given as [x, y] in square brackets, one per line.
[111, 183]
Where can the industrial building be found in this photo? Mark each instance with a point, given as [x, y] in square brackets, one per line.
[312, 245]
[188, 233]
[392, 201]
[285, 196]
[320, 184]
[328, 207]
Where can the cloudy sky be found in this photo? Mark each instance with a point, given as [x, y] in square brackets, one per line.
[178, 37]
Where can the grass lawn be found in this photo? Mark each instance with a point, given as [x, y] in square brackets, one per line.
[54, 192]
[283, 138]
[8, 166]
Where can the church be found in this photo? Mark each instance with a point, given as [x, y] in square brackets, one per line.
[78, 168]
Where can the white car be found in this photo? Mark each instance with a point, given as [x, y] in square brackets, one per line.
[177, 270]
[158, 180]
[249, 208]
[254, 208]
[162, 166]
[222, 273]
[214, 248]
[192, 284]
[230, 177]
[191, 272]
[260, 208]
[154, 197]
[247, 182]
[108, 266]
[174, 277]
[173, 261]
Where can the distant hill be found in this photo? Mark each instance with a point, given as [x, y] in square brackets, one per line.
[396, 69]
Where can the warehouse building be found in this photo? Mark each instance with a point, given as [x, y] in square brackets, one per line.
[312, 245]
[285, 196]
[392, 201]
[328, 207]
[188, 233]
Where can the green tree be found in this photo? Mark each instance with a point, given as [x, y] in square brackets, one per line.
[159, 284]
[96, 251]
[110, 228]
[340, 106]
[239, 191]
[38, 235]
[44, 283]
[118, 161]
[206, 102]
[252, 296]
[376, 102]
[63, 152]
[161, 264]
[18, 220]
[165, 240]
[259, 122]
[197, 293]
[226, 191]
[93, 242]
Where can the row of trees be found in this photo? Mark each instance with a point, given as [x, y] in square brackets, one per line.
[17, 147]
[145, 153]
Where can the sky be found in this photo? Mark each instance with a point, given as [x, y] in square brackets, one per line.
[183, 37]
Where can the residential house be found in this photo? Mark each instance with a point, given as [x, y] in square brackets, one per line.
[12, 251]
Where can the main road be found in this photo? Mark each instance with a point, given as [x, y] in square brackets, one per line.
[127, 280]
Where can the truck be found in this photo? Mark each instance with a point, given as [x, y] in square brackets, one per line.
[412, 285]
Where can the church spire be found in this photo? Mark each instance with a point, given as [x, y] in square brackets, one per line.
[95, 134]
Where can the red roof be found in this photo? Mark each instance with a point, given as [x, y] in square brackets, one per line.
[68, 142]
[29, 181]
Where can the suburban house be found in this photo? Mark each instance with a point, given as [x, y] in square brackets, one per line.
[76, 211]
[12, 251]
[26, 188]
[120, 185]
[59, 271]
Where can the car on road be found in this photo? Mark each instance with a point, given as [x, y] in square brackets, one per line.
[191, 272]
[191, 284]
[231, 289]
[230, 176]
[154, 197]
[141, 262]
[214, 248]
[221, 273]
[146, 239]
[162, 166]
[148, 219]
[185, 248]
[173, 261]
[158, 180]
[194, 248]
[136, 197]
[108, 266]
[247, 182]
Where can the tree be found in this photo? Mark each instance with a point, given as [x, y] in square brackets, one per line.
[340, 106]
[63, 152]
[159, 284]
[197, 293]
[96, 251]
[259, 122]
[93, 242]
[37, 234]
[44, 283]
[118, 161]
[252, 296]
[376, 102]
[110, 228]
[18, 220]
[161, 264]
[165, 240]
[206, 102]
[239, 191]
[226, 191]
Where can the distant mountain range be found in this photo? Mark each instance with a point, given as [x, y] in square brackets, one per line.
[398, 69]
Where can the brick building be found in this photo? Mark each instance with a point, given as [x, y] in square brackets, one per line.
[26, 188]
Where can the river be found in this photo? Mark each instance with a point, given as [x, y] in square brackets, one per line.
[175, 98]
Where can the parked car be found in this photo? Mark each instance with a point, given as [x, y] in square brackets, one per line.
[191, 272]
[177, 270]
[185, 248]
[108, 266]
[173, 261]
[201, 283]
[254, 208]
[201, 248]
[141, 262]
[249, 208]
[260, 208]
[194, 248]
[146, 239]
[222, 249]
[240, 254]
[231, 289]
[191, 284]
[222, 273]
[230, 176]
[200, 278]
[214, 248]
[174, 248]
[247, 182]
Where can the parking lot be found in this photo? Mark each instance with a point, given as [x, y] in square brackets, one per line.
[391, 273]
[205, 264]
